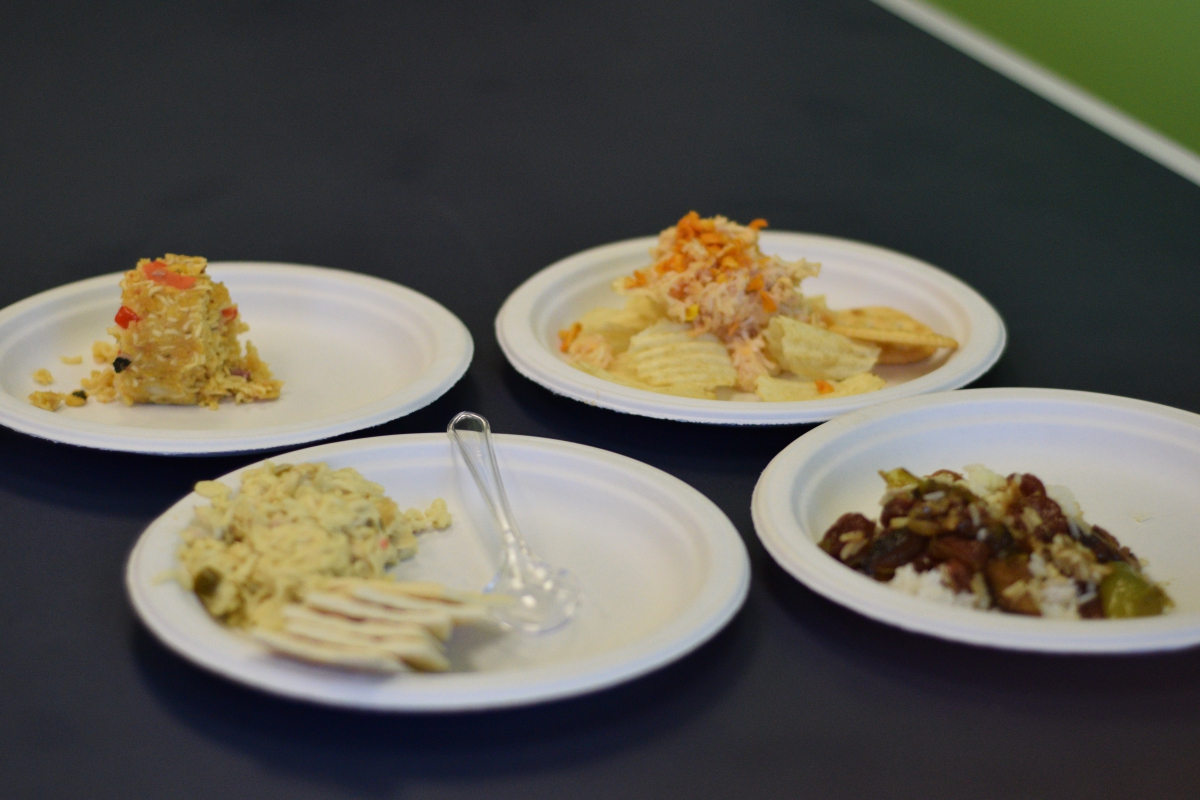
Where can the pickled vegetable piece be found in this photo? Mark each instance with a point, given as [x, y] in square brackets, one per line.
[1125, 592]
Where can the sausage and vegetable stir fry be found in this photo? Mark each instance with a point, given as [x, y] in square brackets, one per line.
[982, 540]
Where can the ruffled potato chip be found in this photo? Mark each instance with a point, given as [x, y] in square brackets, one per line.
[623, 375]
[666, 355]
[617, 325]
[785, 390]
[815, 353]
[591, 348]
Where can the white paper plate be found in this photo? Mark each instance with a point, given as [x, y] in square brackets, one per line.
[1132, 466]
[353, 351]
[661, 569]
[852, 274]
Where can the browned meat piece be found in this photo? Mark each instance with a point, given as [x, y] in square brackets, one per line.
[844, 532]
[959, 574]
[890, 552]
[1003, 577]
[971, 553]
[923, 563]
[1030, 484]
[1107, 548]
[1003, 543]
[898, 506]
[1033, 495]
[1092, 609]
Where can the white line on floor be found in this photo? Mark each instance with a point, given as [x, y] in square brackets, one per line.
[1049, 85]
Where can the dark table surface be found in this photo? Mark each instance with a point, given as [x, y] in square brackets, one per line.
[457, 148]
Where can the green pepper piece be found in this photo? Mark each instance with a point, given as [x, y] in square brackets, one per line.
[1125, 592]
[899, 477]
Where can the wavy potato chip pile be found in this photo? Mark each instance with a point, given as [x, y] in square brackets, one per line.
[715, 318]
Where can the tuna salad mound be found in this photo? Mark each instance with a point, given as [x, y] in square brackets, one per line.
[984, 541]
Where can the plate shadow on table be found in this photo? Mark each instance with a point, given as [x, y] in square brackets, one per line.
[141, 485]
[433, 418]
[666, 444]
[103, 481]
[1157, 685]
[375, 753]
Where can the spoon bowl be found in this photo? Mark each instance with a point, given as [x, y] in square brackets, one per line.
[543, 597]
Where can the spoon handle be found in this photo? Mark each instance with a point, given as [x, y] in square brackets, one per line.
[477, 450]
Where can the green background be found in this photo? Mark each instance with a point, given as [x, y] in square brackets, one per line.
[1141, 56]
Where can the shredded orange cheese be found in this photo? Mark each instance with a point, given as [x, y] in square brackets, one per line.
[711, 275]
[567, 336]
[638, 278]
[730, 253]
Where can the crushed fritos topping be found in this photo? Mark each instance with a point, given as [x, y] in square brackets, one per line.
[700, 252]
[569, 335]
[710, 273]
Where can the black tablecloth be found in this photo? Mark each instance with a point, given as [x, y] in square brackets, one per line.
[457, 148]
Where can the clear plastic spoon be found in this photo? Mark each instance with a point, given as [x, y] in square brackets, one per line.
[545, 597]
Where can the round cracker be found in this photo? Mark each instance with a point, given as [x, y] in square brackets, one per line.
[902, 339]
[884, 336]
[882, 317]
[903, 354]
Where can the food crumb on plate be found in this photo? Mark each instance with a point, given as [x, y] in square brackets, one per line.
[47, 400]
